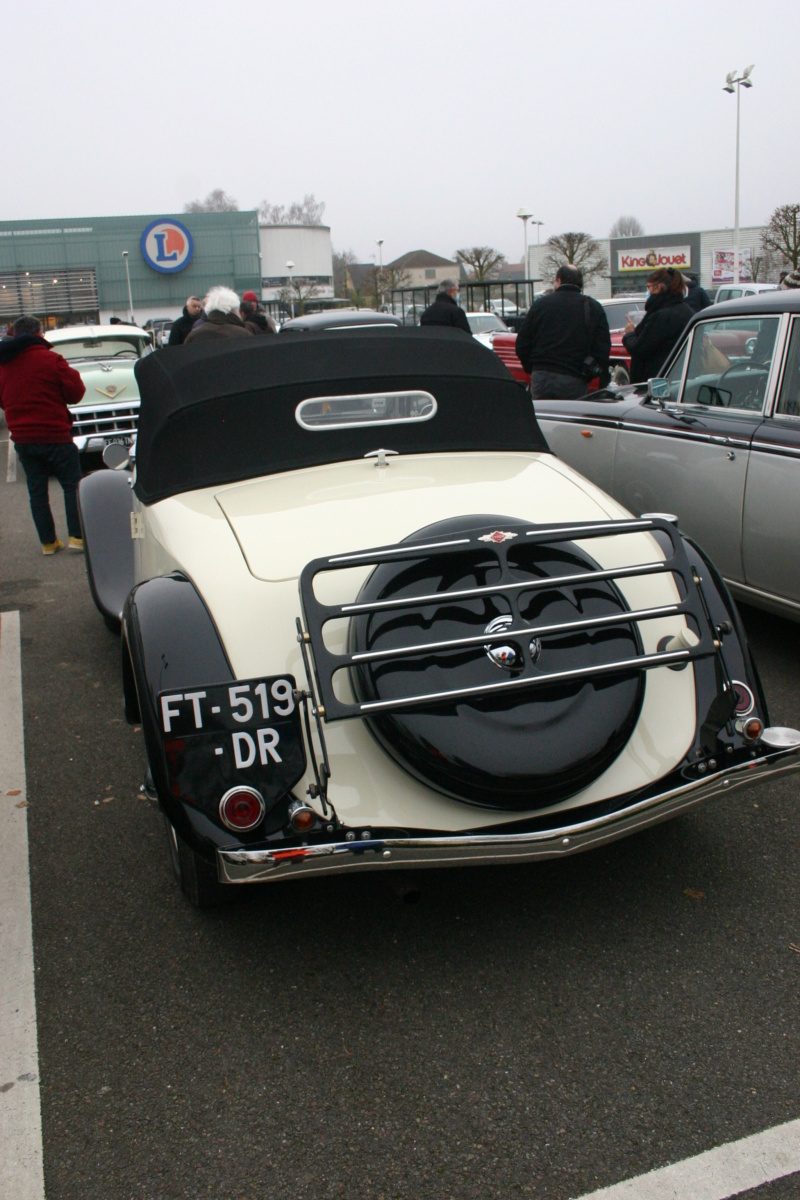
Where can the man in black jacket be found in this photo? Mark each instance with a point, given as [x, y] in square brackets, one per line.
[696, 296]
[564, 341]
[445, 309]
[182, 327]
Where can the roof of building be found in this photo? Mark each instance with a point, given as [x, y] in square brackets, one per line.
[421, 258]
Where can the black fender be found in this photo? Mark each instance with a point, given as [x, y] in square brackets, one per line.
[169, 642]
[105, 504]
[726, 620]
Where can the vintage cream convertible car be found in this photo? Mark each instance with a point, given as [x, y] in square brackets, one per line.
[370, 622]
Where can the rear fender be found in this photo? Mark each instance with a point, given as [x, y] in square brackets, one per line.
[169, 642]
[105, 504]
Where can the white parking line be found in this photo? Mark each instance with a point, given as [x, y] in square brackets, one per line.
[717, 1174]
[21, 1173]
[11, 469]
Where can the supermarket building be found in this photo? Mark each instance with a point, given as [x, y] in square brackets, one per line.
[88, 269]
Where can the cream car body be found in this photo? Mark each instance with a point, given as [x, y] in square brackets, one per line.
[336, 472]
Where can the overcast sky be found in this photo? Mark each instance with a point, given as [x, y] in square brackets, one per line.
[425, 123]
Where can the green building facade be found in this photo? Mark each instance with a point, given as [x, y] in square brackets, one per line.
[69, 270]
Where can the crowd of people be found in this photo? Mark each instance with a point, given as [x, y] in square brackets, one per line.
[220, 315]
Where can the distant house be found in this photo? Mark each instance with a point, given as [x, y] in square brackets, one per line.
[425, 269]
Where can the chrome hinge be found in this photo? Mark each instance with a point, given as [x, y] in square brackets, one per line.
[137, 525]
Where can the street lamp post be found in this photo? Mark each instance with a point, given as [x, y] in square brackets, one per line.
[290, 268]
[380, 267]
[734, 82]
[128, 277]
[524, 215]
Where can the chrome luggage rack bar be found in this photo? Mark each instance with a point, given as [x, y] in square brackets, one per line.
[325, 663]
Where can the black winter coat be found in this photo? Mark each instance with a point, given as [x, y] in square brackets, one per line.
[563, 329]
[665, 317]
[445, 311]
[697, 297]
[181, 328]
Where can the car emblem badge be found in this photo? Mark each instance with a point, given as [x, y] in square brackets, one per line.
[111, 391]
[497, 537]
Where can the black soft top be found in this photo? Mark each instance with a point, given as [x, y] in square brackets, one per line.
[217, 412]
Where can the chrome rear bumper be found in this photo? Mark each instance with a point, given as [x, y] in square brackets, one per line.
[371, 853]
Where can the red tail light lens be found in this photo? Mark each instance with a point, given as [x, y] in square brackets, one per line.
[745, 700]
[241, 808]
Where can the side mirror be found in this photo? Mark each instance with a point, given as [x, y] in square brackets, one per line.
[116, 456]
[658, 389]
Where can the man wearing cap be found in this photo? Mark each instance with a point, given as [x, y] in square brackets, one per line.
[255, 320]
[182, 327]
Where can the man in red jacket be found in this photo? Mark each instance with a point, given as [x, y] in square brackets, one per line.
[36, 385]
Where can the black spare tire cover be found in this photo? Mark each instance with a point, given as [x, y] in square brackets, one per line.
[521, 748]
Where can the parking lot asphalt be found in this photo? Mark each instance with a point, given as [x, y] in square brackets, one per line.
[537, 1031]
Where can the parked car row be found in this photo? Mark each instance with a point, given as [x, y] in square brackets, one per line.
[717, 442]
[369, 621]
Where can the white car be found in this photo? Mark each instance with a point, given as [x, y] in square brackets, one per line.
[105, 356]
[737, 291]
[369, 621]
[484, 326]
[505, 308]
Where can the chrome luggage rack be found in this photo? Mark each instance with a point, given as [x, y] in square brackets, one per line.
[325, 663]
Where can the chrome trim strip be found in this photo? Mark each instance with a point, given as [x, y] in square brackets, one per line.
[737, 443]
[273, 866]
[775, 448]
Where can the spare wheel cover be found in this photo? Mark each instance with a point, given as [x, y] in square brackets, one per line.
[525, 748]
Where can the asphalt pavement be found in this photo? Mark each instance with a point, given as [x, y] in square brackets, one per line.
[539, 1031]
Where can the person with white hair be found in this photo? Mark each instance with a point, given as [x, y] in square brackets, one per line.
[445, 309]
[222, 318]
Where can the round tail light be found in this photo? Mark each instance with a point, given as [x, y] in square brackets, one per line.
[745, 700]
[302, 817]
[241, 808]
[753, 729]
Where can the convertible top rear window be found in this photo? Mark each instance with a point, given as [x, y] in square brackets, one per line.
[377, 408]
[218, 412]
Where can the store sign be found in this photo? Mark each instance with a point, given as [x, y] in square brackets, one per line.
[679, 257]
[722, 265]
[167, 246]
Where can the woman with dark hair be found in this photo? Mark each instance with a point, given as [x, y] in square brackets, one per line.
[665, 316]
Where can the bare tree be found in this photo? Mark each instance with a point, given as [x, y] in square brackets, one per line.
[307, 212]
[380, 281]
[341, 261]
[482, 262]
[294, 295]
[626, 227]
[782, 235]
[578, 250]
[216, 201]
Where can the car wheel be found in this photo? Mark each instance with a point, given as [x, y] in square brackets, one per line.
[515, 750]
[620, 376]
[196, 877]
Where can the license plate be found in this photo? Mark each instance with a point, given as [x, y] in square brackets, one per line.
[247, 731]
[122, 440]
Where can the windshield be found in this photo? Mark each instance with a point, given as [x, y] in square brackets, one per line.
[485, 322]
[104, 348]
[617, 314]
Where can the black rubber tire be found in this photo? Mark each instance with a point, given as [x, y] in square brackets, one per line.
[196, 878]
[511, 750]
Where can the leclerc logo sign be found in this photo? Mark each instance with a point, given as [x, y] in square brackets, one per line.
[660, 256]
[167, 246]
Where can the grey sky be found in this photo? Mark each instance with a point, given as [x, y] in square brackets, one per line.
[427, 124]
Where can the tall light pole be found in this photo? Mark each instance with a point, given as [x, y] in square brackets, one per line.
[290, 268]
[524, 215]
[380, 265]
[734, 82]
[128, 277]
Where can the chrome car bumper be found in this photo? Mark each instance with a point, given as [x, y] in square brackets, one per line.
[369, 853]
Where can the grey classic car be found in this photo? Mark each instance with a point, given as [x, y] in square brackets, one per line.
[716, 442]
